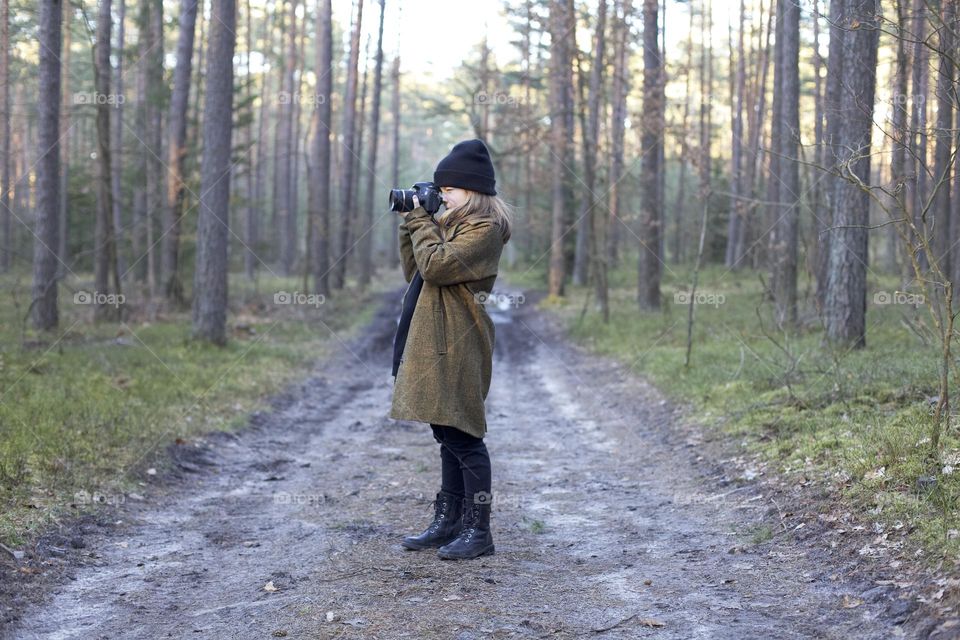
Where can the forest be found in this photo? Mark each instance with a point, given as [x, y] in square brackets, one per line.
[753, 204]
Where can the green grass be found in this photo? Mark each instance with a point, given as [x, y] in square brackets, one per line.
[839, 416]
[88, 408]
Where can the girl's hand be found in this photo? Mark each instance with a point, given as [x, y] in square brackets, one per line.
[416, 203]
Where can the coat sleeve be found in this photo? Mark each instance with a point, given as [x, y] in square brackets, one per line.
[472, 254]
[406, 253]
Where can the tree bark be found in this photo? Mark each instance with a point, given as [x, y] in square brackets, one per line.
[846, 298]
[321, 144]
[395, 163]
[940, 209]
[348, 152]
[47, 229]
[590, 135]
[210, 280]
[65, 113]
[105, 260]
[366, 240]
[6, 226]
[558, 142]
[176, 152]
[282, 197]
[650, 261]
[784, 255]
[621, 87]
[116, 139]
[737, 201]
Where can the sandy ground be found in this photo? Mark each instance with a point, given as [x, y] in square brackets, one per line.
[612, 519]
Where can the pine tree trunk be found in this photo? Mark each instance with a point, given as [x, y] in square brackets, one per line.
[104, 254]
[47, 229]
[846, 296]
[366, 240]
[917, 188]
[349, 151]
[940, 209]
[648, 268]
[395, 162]
[65, 113]
[116, 138]
[176, 152]
[5, 147]
[590, 136]
[558, 142]
[210, 280]
[737, 201]
[157, 97]
[282, 198]
[321, 165]
[784, 255]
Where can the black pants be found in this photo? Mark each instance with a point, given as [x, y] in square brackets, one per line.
[465, 463]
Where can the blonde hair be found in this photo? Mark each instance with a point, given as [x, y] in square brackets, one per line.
[480, 206]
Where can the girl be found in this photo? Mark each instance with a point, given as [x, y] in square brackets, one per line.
[444, 347]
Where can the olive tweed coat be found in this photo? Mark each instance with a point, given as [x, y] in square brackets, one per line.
[445, 371]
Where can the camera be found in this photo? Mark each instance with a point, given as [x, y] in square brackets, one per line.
[427, 192]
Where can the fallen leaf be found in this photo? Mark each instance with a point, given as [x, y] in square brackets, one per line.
[651, 622]
[850, 603]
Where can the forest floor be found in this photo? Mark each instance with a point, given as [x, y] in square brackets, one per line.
[615, 516]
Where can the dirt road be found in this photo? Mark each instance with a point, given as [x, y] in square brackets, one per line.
[606, 523]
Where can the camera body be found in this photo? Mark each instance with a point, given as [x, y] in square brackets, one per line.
[427, 193]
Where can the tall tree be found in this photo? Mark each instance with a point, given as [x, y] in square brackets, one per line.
[249, 210]
[831, 101]
[898, 156]
[784, 255]
[210, 276]
[738, 203]
[65, 113]
[255, 240]
[678, 209]
[621, 87]
[590, 136]
[156, 94]
[944, 135]
[395, 162]
[649, 262]
[105, 260]
[282, 197]
[358, 166]
[320, 182]
[366, 239]
[47, 228]
[559, 149]
[917, 188]
[5, 218]
[705, 160]
[756, 123]
[176, 153]
[846, 296]
[348, 151]
[116, 138]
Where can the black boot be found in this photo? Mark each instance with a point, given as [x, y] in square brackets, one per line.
[475, 538]
[445, 525]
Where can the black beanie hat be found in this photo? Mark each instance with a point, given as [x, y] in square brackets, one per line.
[467, 166]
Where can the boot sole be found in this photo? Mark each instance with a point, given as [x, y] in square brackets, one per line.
[414, 546]
[487, 551]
